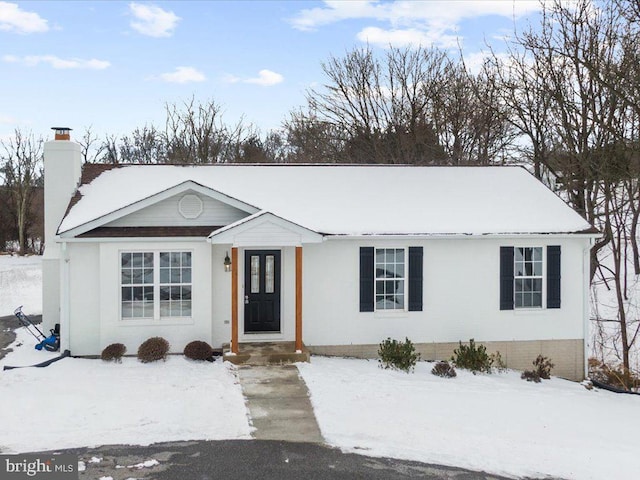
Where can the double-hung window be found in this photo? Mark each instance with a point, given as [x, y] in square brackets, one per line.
[136, 271]
[390, 278]
[175, 284]
[155, 285]
[528, 277]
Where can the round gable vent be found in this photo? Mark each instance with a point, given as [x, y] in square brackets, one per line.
[190, 206]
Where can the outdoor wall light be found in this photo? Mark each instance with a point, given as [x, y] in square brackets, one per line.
[227, 263]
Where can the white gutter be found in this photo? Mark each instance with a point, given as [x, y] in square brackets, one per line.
[64, 299]
[64, 240]
[469, 236]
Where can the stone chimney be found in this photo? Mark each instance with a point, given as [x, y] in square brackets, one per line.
[62, 170]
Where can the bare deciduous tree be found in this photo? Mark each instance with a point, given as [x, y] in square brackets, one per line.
[375, 110]
[584, 131]
[92, 148]
[193, 133]
[21, 167]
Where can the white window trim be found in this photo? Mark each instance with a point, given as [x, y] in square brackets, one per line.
[396, 311]
[156, 289]
[543, 303]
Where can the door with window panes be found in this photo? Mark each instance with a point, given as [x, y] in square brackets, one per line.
[261, 291]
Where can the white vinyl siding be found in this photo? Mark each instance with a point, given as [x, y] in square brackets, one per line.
[167, 213]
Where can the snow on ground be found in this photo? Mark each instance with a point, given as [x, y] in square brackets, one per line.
[495, 423]
[20, 284]
[82, 402]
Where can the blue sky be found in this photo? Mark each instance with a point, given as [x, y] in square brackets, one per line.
[113, 65]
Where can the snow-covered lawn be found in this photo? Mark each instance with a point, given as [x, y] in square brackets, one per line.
[496, 423]
[20, 284]
[80, 402]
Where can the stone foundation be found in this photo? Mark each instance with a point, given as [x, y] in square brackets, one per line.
[567, 355]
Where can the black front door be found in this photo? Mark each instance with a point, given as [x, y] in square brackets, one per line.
[261, 291]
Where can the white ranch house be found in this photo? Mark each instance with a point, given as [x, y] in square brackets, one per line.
[332, 258]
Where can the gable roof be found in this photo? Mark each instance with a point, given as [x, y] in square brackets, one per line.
[121, 211]
[346, 199]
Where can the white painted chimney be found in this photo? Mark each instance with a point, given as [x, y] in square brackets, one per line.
[62, 171]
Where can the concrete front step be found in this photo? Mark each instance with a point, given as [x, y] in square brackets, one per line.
[266, 353]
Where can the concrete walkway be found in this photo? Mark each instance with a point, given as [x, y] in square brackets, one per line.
[279, 404]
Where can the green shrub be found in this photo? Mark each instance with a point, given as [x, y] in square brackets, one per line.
[398, 355]
[444, 369]
[198, 350]
[153, 349]
[113, 352]
[473, 358]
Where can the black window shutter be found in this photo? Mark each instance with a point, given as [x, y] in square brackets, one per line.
[366, 279]
[415, 279]
[553, 276]
[506, 278]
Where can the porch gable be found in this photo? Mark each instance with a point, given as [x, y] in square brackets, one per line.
[266, 230]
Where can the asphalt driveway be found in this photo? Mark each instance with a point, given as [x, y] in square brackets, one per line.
[242, 459]
[7, 335]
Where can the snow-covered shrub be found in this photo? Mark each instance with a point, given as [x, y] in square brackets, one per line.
[541, 369]
[473, 358]
[113, 352]
[444, 369]
[530, 376]
[153, 349]
[398, 355]
[542, 366]
[497, 363]
[198, 350]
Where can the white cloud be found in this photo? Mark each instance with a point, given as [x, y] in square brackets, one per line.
[265, 78]
[153, 21]
[7, 119]
[14, 19]
[410, 36]
[183, 75]
[335, 11]
[409, 22]
[57, 62]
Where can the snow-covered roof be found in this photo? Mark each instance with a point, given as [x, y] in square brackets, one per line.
[350, 200]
